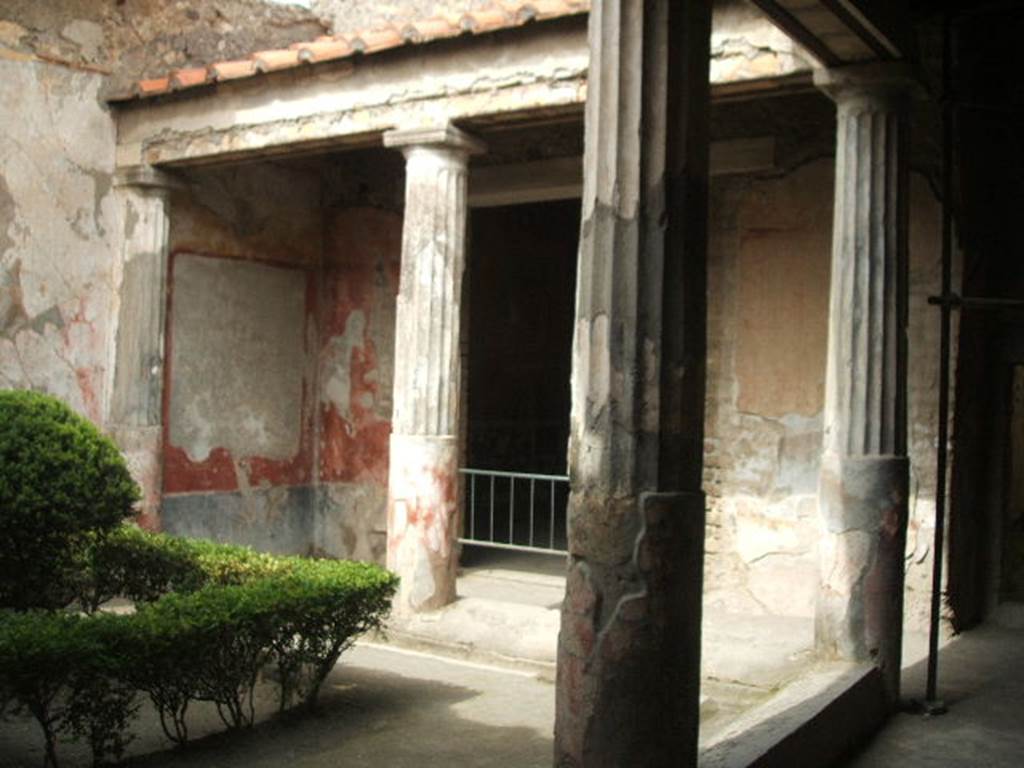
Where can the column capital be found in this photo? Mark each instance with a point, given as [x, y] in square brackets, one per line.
[446, 136]
[146, 177]
[884, 80]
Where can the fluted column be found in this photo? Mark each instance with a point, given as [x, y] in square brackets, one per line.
[136, 401]
[864, 472]
[423, 520]
[629, 647]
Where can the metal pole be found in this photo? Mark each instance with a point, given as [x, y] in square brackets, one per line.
[933, 705]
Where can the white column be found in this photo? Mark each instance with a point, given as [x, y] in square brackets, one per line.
[136, 403]
[864, 472]
[423, 504]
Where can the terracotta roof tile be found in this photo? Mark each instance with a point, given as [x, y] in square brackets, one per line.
[271, 61]
[323, 50]
[232, 70]
[427, 29]
[485, 21]
[189, 78]
[381, 39]
[154, 86]
[327, 48]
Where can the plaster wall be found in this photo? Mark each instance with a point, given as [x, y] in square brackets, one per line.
[241, 343]
[362, 258]
[769, 256]
[59, 233]
[281, 350]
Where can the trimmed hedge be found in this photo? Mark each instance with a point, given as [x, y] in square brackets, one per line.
[144, 566]
[62, 484]
[60, 669]
[208, 619]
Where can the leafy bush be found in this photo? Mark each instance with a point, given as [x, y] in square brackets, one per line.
[206, 646]
[209, 617]
[144, 566]
[58, 668]
[62, 485]
[324, 606]
[79, 674]
[140, 566]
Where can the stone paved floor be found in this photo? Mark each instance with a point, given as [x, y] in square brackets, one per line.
[981, 678]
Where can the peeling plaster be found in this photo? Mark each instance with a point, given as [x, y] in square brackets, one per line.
[337, 386]
[56, 234]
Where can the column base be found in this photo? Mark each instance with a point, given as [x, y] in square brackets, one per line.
[859, 612]
[628, 689]
[423, 520]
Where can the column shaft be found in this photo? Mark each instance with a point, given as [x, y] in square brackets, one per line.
[629, 646]
[423, 487]
[136, 402]
[864, 474]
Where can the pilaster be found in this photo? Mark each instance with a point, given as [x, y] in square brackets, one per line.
[135, 417]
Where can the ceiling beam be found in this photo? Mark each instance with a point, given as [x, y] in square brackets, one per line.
[795, 28]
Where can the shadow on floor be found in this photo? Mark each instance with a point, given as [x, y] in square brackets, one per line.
[981, 679]
[375, 712]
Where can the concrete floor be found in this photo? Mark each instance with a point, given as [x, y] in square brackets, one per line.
[981, 679]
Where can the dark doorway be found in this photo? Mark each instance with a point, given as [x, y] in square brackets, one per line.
[1012, 582]
[521, 296]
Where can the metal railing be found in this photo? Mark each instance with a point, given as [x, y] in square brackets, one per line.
[515, 510]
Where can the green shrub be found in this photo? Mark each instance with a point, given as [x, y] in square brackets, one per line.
[140, 566]
[37, 652]
[58, 667]
[234, 612]
[62, 484]
[144, 566]
[100, 703]
[206, 646]
[323, 606]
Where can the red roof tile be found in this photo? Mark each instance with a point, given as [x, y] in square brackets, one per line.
[328, 48]
[153, 86]
[379, 39]
[430, 29]
[271, 61]
[323, 50]
[187, 78]
[232, 70]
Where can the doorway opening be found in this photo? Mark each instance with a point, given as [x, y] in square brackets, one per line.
[520, 300]
[1012, 581]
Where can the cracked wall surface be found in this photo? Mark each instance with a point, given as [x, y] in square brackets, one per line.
[58, 234]
[768, 279]
[60, 226]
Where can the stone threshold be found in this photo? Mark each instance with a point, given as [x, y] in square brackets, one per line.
[497, 633]
[816, 720]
